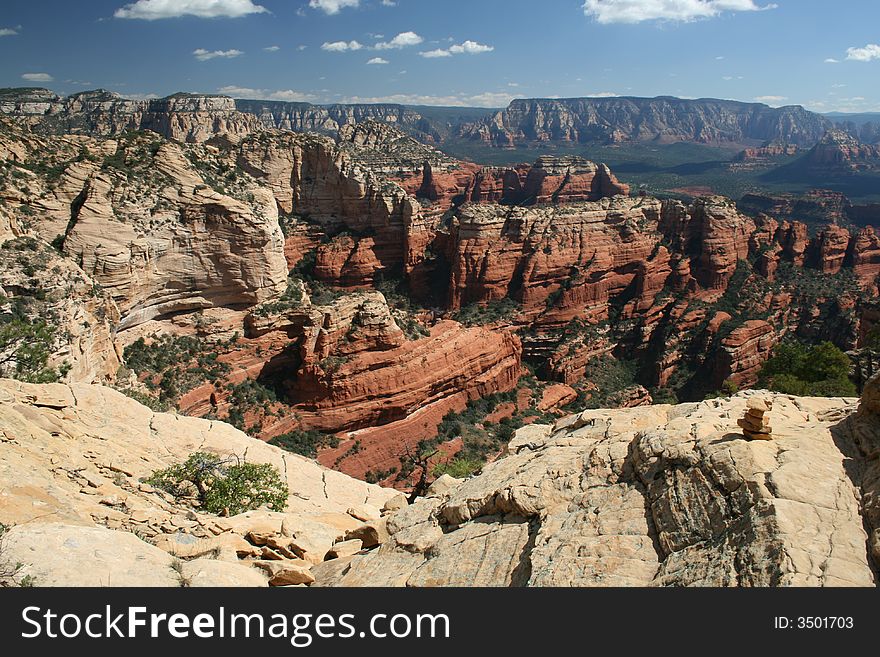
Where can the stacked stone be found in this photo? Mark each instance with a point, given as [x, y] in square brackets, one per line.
[755, 425]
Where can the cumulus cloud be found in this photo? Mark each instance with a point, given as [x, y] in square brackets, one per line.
[341, 46]
[431, 54]
[831, 60]
[866, 54]
[272, 48]
[402, 40]
[7, 31]
[637, 11]
[378, 60]
[151, 10]
[37, 77]
[286, 95]
[332, 6]
[466, 48]
[470, 48]
[771, 100]
[486, 99]
[204, 55]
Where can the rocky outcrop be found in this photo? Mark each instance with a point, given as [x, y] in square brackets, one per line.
[179, 246]
[190, 118]
[663, 119]
[71, 468]
[744, 352]
[328, 119]
[41, 287]
[573, 258]
[334, 185]
[556, 180]
[764, 154]
[163, 228]
[654, 496]
[839, 150]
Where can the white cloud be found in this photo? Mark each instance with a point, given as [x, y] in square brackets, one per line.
[287, 95]
[151, 10]
[389, 3]
[341, 46]
[770, 100]
[636, 11]
[272, 48]
[37, 77]
[467, 48]
[831, 60]
[402, 40]
[378, 60]
[332, 6]
[470, 48]
[7, 31]
[486, 99]
[866, 54]
[301, 47]
[431, 54]
[204, 55]
[604, 94]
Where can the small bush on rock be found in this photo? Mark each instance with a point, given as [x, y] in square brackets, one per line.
[223, 485]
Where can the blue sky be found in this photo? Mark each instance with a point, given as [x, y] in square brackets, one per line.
[819, 54]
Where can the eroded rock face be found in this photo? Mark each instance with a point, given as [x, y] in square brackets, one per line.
[41, 285]
[148, 265]
[140, 219]
[654, 496]
[71, 463]
[584, 120]
[190, 118]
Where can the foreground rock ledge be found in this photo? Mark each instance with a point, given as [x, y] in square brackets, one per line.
[660, 495]
[71, 461]
[657, 495]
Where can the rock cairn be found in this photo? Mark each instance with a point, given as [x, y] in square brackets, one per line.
[755, 424]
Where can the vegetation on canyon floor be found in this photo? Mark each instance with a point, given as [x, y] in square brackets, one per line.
[820, 370]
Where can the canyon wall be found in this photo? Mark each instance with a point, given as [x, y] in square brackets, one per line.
[663, 119]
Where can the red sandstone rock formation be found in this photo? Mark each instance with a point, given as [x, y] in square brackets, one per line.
[828, 249]
[743, 352]
[865, 256]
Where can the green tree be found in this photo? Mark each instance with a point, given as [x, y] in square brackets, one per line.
[223, 485]
[25, 347]
[820, 370]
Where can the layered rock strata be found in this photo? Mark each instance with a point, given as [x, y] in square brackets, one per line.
[655, 496]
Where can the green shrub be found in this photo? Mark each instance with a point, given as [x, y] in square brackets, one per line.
[223, 485]
[477, 314]
[459, 467]
[305, 443]
[820, 370]
[28, 344]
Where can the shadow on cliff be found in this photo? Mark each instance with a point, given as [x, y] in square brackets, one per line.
[857, 437]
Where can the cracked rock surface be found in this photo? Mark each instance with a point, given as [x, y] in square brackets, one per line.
[653, 496]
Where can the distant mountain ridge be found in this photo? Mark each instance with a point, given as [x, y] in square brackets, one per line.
[193, 117]
[661, 119]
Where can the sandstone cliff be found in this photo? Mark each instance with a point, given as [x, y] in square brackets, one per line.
[664, 119]
[656, 496]
[72, 460]
[651, 496]
[183, 117]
